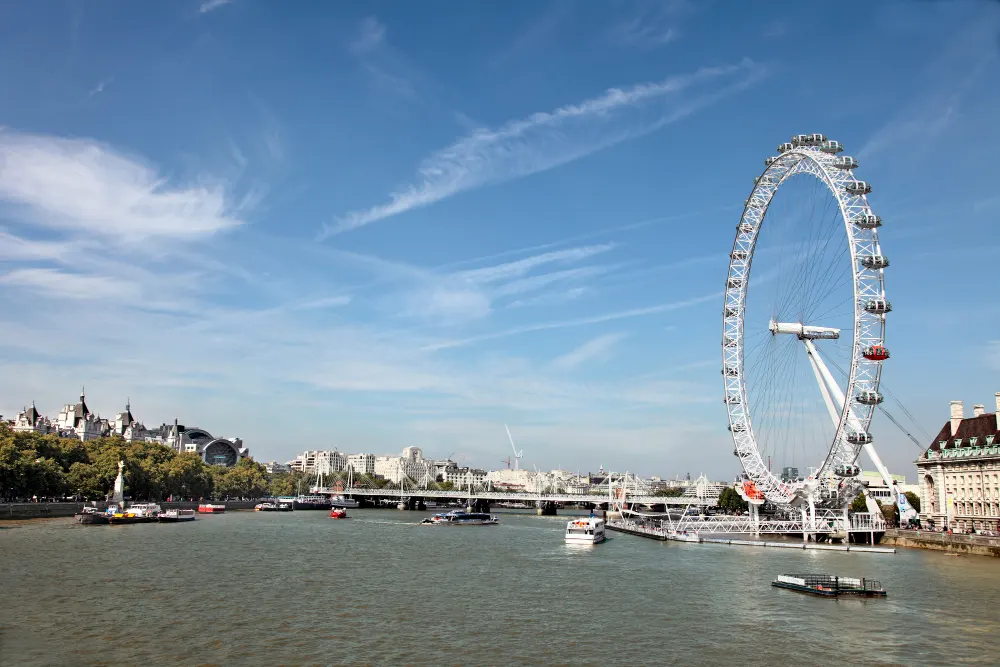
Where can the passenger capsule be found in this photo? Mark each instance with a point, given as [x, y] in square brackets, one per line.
[859, 438]
[845, 162]
[732, 312]
[869, 398]
[733, 283]
[770, 160]
[728, 341]
[875, 353]
[878, 306]
[785, 147]
[737, 428]
[730, 371]
[874, 262]
[801, 139]
[745, 227]
[832, 147]
[867, 221]
[816, 139]
[738, 254]
[846, 471]
[733, 398]
[858, 187]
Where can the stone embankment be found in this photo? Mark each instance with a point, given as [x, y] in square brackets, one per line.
[50, 510]
[978, 545]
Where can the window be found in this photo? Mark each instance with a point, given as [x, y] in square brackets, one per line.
[989, 440]
[973, 440]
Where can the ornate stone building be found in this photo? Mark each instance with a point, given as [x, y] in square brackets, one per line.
[30, 420]
[960, 472]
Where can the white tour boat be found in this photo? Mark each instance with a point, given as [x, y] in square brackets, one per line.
[683, 536]
[344, 503]
[171, 516]
[456, 518]
[585, 530]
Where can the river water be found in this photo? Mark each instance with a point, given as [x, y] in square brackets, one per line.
[299, 588]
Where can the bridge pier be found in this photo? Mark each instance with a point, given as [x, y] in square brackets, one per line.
[481, 505]
[546, 508]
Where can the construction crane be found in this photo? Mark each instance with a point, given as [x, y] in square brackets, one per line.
[517, 454]
[507, 461]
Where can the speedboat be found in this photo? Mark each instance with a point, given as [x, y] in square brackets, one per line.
[456, 518]
[586, 530]
[683, 536]
[174, 516]
[338, 513]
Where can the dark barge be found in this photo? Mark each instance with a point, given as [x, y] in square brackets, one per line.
[830, 586]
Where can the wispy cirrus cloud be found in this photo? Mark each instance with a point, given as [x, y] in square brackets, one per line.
[61, 284]
[80, 185]
[651, 25]
[211, 5]
[546, 140]
[593, 349]
[581, 321]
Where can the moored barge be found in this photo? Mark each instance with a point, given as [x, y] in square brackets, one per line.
[830, 586]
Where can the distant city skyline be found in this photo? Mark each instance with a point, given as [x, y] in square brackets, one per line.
[372, 227]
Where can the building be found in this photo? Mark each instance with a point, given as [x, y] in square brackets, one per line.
[959, 474]
[194, 440]
[30, 420]
[273, 467]
[319, 461]
[361, 464]
[127, 428]
[872, 479]
[76, 420]
[789, 474]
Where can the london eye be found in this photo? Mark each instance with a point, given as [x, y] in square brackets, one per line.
[804, 334]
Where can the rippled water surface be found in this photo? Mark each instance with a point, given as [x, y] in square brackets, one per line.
[299, 588]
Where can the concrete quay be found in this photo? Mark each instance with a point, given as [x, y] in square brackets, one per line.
[976, 545]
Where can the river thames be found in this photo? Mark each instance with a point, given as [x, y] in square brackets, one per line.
[299, 588]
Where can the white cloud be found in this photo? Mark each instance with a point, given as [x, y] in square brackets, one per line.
[324, 303]
[521, 267]
[210, 5]
[82, 186]
[595, 348]
[545, 140]
[594, 319]
[59, 284]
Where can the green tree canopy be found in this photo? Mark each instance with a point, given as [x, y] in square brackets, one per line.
[731, 502]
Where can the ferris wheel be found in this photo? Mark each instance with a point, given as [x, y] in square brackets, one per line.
[804, 339]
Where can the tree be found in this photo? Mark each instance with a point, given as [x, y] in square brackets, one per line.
[891, 513]
[859, 504]
[669, 492]
[731, 502]
[913, 499]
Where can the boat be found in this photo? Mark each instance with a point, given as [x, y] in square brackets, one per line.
[341, 501]
[210, 508]
[338, 513]
[311, 502]
[270, 506]
[830, 586]
[585, 530]
[174, 516]
[134, 513]
[457, 518]
[683, 536]
[91, 515]
[401, 506]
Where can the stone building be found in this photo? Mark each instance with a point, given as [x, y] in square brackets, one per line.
[30, 420]
[960, 472]
[76, 420]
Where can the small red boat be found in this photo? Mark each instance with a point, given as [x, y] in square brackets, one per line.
[209, 508]
[338, 513]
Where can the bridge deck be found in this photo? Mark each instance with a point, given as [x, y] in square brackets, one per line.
[511, 496]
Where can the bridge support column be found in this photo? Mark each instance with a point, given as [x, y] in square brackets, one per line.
[478, 505]
[546, 508]
[755, 519]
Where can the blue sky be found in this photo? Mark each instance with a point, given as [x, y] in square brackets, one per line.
[368, 226]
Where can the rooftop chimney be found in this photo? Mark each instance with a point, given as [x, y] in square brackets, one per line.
[957, 412]
[978, 410]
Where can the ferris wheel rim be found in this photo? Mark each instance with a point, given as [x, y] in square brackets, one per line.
[868, 331]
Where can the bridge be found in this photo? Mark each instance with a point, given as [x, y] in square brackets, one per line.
[513, 496]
